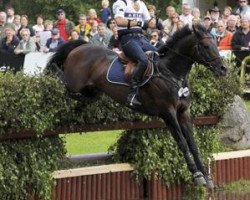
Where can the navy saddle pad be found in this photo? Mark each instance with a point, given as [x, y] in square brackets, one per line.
[115, 73]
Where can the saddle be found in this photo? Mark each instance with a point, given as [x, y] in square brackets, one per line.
[129, 65]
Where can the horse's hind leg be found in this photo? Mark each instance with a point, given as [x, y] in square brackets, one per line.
[174, 127]
[186, 127]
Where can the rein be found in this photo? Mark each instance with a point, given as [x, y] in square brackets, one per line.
[171, 78]
[197, 47]
[179, 54]
[180, 82]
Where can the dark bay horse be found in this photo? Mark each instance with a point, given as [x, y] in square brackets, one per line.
[165, 95]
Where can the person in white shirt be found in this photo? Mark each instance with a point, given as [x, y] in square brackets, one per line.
[130, 15]
[10, 14]
[186, 15]
[170, 11]
[38, 27]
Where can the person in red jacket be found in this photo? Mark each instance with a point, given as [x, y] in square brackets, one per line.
[223, 36]
[64, 25]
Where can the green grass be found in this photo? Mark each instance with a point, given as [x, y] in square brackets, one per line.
[242, 186]
[247, 102]
[92, 142]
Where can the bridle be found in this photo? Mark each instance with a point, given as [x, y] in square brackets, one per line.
[198, 50]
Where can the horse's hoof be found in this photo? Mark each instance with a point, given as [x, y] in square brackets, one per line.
[210, 183]
[199, 179]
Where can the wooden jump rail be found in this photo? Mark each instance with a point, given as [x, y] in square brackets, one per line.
[25, 134]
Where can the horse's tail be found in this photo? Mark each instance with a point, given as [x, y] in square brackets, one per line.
[61, 54]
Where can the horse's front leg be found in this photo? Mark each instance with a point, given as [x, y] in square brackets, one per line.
[186, 128]
[171, 121]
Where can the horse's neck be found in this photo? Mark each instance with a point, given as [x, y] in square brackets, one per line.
[178, 66]
[178, 60]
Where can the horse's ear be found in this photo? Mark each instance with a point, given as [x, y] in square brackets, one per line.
[198, 31]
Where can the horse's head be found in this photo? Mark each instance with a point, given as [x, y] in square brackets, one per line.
[206, 51]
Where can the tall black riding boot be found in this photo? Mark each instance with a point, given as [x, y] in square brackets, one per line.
[132, 98]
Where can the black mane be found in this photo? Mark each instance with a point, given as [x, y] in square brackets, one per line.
[172, 41]
[178, 35]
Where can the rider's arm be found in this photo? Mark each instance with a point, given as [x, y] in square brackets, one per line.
[120, 21]
[119, 12]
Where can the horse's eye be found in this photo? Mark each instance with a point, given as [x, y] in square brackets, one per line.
[206, 47]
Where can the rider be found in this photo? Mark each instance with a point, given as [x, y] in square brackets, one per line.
[130, 15]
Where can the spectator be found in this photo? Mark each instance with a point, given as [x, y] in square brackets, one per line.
[64, 25]
[170, 10]
[215, 15]
[180, 24]
[186, 15]
[38, 27]
[10, 14]
[39, 46]
[24, 24]
[196, 20]
[165, 34]
[155, 39]
[105, 11]
[27, 44]
[93, 30]
[207, 22]
[83, 28]
[74, 35]
[223, 36]
[196, 13]
[102, 37]
[173, 25]
[232, 23]
[111, 23]
[238, 23]
[152, 12]
[17, 22]
[242, 8]
[46, 33]
[4, 24]
[92, 16]
[54, 42]
[241, 41]
[150, 26]
[114, 44]
[226, 13]
[10, 41]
